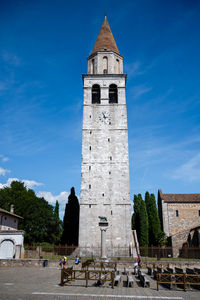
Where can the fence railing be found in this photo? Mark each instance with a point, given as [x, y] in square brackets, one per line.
[44, 251]
[153, 253]
[156, 252]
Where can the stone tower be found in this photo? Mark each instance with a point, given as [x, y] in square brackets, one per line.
[105, 162]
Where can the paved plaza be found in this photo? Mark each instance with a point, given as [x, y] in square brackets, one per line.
[43, 283]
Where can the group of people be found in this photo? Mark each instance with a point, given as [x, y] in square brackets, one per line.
[63, 261]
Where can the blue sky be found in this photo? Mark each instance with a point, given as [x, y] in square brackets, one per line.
[43, 53]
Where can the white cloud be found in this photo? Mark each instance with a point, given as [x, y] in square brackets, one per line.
[62, 199]
[190, 171]
[4, 158]
[28, 183]
[31, 183]
[3, 172]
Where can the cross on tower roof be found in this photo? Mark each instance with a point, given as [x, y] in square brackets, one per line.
[105, 39]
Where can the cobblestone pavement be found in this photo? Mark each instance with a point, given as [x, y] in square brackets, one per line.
[43, 284]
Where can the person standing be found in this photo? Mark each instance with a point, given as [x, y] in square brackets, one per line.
[64, 261]
[77, 260]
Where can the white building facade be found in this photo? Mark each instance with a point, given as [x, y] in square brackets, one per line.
[11, 239]
[105, 161]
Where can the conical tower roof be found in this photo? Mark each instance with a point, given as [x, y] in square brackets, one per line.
[105, 39]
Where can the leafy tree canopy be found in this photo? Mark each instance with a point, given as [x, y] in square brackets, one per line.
[38, 215]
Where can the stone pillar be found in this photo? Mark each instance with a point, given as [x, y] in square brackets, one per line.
[103, 227]
[103, 242]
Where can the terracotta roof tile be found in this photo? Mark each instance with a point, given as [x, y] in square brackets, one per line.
[9, 213]
[105, 39]
[180, 198]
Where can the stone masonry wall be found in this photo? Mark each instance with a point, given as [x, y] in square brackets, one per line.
[188, 217]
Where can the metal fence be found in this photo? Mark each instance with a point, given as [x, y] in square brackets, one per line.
[170, 252]
[147, 253]
[53, 251]
[156, 252]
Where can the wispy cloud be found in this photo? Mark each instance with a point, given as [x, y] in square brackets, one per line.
[134, 69]
[5, 84]
[3, 158]
[3, 171]
[31, 183]
[28, 183]
[139, 90]
[189, 171]
[11, 58]
[138, 68]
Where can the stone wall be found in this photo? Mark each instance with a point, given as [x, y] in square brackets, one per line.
[188, 217]
[178, 219]
[178, 240]
[120, 264]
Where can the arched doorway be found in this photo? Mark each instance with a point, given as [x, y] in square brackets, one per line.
[6, 249]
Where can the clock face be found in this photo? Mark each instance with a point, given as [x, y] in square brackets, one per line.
[104, 117]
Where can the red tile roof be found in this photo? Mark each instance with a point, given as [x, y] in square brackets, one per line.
[9, 213]
[180, 198]
[105, 39]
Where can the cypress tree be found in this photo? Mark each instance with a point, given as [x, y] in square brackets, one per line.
[57, 224]
[140, 220]
[143, 239]
[135, 216]
[71, 221]
[155, 232]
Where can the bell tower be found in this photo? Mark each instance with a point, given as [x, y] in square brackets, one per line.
[105, 161]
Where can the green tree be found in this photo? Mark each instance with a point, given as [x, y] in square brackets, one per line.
[144, 236]
[57, 224]
[71, 221]
[140, 220]
[156, 236]
[135, 216]
[37, 213]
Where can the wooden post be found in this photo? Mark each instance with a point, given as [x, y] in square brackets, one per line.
[62, 279]
[158, 275]
[86, 276]
[184, 281]
[112, 279]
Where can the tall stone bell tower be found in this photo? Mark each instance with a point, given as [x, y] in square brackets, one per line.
[105, 161]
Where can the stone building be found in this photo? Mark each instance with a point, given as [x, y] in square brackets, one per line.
[105, 161]
[180, 219]
[11, 239]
